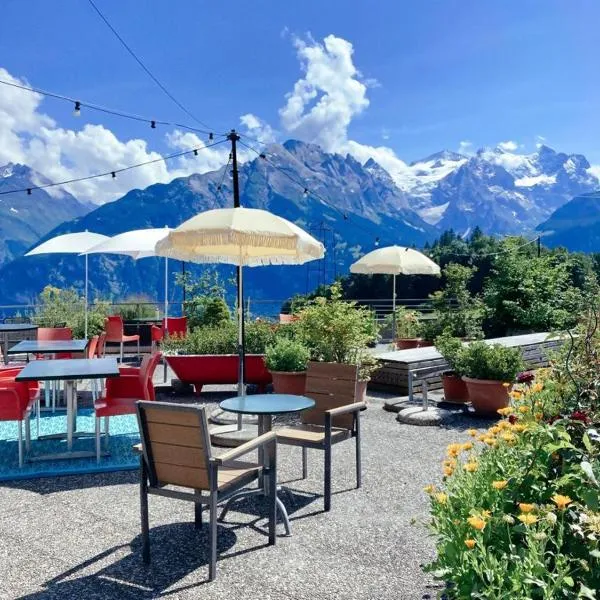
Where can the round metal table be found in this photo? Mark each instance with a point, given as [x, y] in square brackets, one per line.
[265, 406]
[6, 329]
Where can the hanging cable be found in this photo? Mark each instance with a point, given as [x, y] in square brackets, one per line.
[79, 104]
[113, 173]
[145, 68]
[220, 186]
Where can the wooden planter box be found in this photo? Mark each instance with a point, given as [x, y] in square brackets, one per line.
[218, 369]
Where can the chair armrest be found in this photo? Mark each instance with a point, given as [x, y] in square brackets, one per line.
[344, 410]
[261, 440]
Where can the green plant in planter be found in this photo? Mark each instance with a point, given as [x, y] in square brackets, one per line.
[450, 348]
[136, 307]
[491, 362]
[334, 329]
[287, 356]
[408, 324]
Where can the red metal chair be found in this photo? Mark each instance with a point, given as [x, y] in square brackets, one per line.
[123, 392]
[113, 328]
[15, 405]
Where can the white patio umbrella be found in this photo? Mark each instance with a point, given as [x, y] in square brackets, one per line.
[71, 243]
[395, 260]
[243, 237]
[138, 243]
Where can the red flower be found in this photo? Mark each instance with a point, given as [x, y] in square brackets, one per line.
[512, 419]
[580, 415]
[525, 377]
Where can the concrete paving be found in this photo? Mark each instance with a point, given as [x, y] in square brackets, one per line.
[78, 537]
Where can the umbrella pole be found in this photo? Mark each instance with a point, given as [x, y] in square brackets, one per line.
[86, 297]
[241, 354]
[394, 308]
[166, 291]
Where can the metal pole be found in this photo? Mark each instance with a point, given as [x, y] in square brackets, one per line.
[233, 137]
[394, 309]
[166, 291]
[86, 297]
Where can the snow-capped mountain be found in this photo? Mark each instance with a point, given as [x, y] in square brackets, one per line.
[24, 218]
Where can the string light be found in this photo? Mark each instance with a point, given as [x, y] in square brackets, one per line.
[377, 241]
[114, 175]
[153, 124]
[211, 137]
[305, 192]
[77, 110]
[195, 152]
[29, 191]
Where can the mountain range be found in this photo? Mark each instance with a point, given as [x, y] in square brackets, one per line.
[353, 205]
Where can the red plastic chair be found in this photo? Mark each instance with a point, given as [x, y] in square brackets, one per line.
[15, 405]
[172, 325]
[57, 334]
[100, 345]
[123, 392]
[113, 327]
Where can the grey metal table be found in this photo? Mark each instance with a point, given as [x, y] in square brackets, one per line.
[48, 346]
[264, 406]
[69, 371]
[8, 329]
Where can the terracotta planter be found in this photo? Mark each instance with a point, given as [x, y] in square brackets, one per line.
[487, 396]
[455, 389]
[285, 382]
[407, 343]
[203, 369]
[361, 391]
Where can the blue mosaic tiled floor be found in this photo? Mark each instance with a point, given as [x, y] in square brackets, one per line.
[123, 434]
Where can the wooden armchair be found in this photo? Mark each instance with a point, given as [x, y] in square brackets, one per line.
[335, 417]
[176, 450]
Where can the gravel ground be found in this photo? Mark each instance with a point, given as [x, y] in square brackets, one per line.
[78, 537]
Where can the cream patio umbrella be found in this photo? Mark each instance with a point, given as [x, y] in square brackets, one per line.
[71, 243]
[395, 260]
[138, 243]
[245, 237]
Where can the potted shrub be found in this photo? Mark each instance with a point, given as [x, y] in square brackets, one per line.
[455, 389]
[489, 371]
[208, 355]
[286, 361]
[339, 331]
[408, 328]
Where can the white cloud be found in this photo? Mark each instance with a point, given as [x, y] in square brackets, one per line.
[540, 140]
[323, 103]
[595, 171]
[258, 129]
[508, 146]
[465, 147]
[30, 137]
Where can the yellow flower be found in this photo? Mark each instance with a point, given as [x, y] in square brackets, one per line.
[472, 432]
[506, 384]
[448, 471]
[486, 513]
[482, 437]
[494, 430]
[539, 416]
[454, 450]
[467, 445]
[504, 425]
[470, 467]
[470, 543]
[430, 489]
[450, 462]
[526, 508]
[476, 522]
[519, 427]
[516, 395]
[523, 409]
[504, 411]
[490, 441]
[441, 497]
[499, 485]
[528, 519]
[561, 501]
[537, 387]
[509, 438]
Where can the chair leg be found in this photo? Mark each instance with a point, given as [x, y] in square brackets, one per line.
[358, 458]
[138, 344]
[47, 394]
[327, 477]
[28, 432]
[198, 514]
[106, 433]
[212, 568]
[304, 462]
[272, 494]
[144, 512]
[20, 442]
[121, 352]
[37, 415]
[98, 440]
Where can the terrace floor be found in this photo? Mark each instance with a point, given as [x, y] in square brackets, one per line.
[78, 536]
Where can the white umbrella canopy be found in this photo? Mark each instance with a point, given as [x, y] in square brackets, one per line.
[242, 237]
[395, 260]
[71, 243]
[138, 243]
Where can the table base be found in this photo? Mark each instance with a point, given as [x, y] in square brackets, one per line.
[258, 492]
[66, 455]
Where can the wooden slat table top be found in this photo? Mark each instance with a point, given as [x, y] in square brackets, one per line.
[416, 355]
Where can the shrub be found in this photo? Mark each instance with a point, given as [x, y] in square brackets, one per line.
[494, 362]
[136, 307]
[408, 324]
[450, 348]
[287, 355]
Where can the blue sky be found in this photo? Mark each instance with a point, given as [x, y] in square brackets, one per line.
[437, 72]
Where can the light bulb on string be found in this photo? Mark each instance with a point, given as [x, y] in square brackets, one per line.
[114, 175]
[377, 241]
[305, 192]
[195, 152]
[29, 191]
[77, 109]
[211, 137]
[153, 124]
